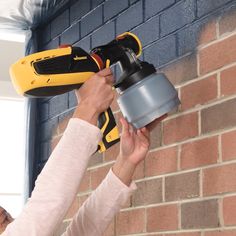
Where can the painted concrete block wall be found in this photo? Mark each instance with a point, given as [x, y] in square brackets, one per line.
[187, 184]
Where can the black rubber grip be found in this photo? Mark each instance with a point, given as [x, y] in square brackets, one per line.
[107, 123]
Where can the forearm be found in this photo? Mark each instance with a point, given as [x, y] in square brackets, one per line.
[58, 182]
[124, 170]
[86, 112]
[100, 208]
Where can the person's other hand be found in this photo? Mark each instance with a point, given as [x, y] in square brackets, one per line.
[95, 96]
[134, 145]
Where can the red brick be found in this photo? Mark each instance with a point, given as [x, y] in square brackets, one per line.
[155, 235]
[199, 92]
[161, 162]
[128, 203]
[199, 153]
[229, 146]
[217, 55]
[219, 180]
[155, 136]
[62, 228]
[200, 214]
[98, 175]
[221, 233]
[82, 199]
[182, 186]
[114, 105]
[218, 117]
[131, 222]
[110, 231]
[185, 234]
[227, 23]
[63, 123]
[85, 183]
[73, 209]
[228, 81]
[229, 210]
[182, 70]
[180, 128]
[162, 218]
[96, 159]
[55, 141]
[139, 172]
[148, 192]
[52, 131]
[117, 116]
[208, 33]
[111, 153]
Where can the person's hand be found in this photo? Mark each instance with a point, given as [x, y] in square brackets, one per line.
[95, 96]
[97, 91]
[134, 145]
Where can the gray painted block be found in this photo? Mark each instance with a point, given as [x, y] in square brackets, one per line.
[72, 99]
[161, 52]
[47, 128]
[111, 8]
[95, 3]
[104, 35]
[44, 151]
[43, 109]
[52, 44]
[149, 31]
[153, 7]
[92, 21]
[59, 24]
[178, 16]
[79, 9]
[71, 35]
[58, 104]
[204, 7]
[84, 44]
[130, 18]
[44, 35]
[188, 38]
[133, 1]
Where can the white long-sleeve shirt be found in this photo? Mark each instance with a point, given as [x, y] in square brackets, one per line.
[57, 185]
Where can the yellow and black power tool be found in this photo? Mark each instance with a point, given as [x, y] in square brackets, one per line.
[144, 94]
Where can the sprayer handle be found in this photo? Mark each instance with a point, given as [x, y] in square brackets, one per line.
[107, 124]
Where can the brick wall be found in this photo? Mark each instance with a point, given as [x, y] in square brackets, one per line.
[187, 184]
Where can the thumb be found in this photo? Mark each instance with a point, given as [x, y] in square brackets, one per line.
[105, 72]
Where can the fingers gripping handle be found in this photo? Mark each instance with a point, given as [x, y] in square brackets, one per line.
[107, 124]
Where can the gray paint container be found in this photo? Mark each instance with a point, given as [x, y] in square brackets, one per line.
[148, 100]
